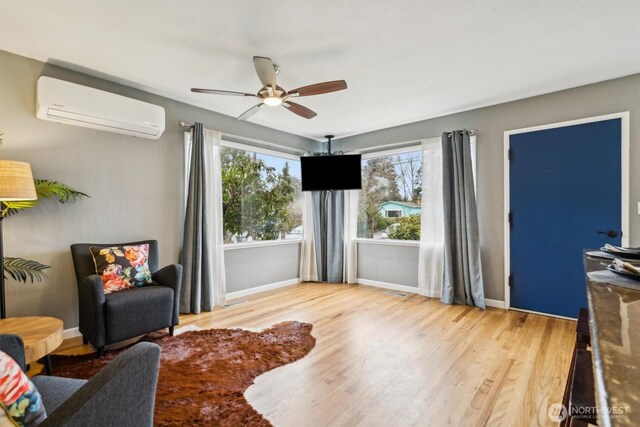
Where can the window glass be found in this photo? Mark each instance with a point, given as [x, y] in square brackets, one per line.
[261, 196]
[391, 195]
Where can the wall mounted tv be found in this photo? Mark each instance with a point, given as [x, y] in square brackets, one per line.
[333, 172]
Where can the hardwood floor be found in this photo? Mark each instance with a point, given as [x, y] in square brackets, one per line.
[381, 360]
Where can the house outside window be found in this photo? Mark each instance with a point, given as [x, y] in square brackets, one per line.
[390, 201]
[398, 209]
[261, 195]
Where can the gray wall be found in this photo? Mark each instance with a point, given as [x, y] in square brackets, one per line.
[135, 186]
[592, 100]
[277, 264]
[397, 265]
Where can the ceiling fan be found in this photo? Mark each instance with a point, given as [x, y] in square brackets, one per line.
[273, 95]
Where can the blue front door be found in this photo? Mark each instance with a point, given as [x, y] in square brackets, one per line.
[565, 192]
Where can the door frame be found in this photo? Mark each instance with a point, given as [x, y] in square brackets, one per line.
[624, 169]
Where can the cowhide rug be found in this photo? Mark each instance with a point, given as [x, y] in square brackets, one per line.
[204, 374]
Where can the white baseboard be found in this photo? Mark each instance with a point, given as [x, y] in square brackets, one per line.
[403, 288]
[71, 333]
[494, 303]
[258, 289]
[385, 285]
[543, 314]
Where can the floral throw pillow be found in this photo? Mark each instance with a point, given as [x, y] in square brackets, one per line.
[19, 395]
[122, 267]
[5, 418]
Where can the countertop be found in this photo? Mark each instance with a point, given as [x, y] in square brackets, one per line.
[614, 321]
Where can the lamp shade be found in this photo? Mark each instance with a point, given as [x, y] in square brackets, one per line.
[16, 181]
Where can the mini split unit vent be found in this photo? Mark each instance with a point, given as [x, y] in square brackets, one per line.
[73, 104]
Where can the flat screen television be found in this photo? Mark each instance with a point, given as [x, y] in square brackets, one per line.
[335, 172]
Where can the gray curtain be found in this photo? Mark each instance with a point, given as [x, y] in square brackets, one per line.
[462, 268]
[197, 278]
[328, 229]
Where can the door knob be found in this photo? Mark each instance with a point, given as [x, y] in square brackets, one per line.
[610, 233]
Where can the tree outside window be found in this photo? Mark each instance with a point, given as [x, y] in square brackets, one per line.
[261, 196]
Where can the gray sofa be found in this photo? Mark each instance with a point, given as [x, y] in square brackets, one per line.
[108, 319]
[121, 394]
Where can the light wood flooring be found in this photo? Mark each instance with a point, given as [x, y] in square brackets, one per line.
[381, 360]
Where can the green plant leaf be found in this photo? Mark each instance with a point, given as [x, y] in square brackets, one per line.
[21, 269]
[45, 189]
[63, 192]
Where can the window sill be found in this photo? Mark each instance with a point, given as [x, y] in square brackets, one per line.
[388, 242]
[259, 244]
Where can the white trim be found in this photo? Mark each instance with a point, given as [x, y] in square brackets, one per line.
[505, 220]
[375, 152]
[414, 290]
[388, 242]
[494, 303]
[385, 285]
[624, 154]
[249, 141]
[625, 134]
[261, 243]
[71, 333]
[261, 150]
[263, 288]
[543, 314]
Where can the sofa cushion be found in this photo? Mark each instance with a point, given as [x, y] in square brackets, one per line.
[122, 267]
[137, 311]
[18, 394]
[55, 390]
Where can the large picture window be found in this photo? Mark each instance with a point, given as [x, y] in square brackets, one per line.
[261, 196]
[390, 202]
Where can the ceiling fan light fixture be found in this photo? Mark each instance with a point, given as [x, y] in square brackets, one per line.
[273, 95]
[272, 101]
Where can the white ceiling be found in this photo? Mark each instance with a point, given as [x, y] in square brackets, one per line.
[403, 60]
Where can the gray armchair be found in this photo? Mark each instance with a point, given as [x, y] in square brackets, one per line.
[108, 319]
[121, 394]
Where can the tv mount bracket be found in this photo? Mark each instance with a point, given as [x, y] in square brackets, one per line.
[329, 138]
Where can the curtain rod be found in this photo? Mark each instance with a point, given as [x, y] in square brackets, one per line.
[251, 141]
[398, 145]
[472, 132]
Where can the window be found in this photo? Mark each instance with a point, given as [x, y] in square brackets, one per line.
[261, 195]
[391, 195]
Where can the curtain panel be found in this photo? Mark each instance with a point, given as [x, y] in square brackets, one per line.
[462, 282]
[202, 255]
[328, 230]
[308, 260]
[350, 256]
[330, 226]
[431, 252]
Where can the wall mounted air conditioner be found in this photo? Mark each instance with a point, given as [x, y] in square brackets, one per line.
[73, 104]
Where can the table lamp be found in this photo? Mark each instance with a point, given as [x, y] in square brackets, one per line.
[16, 184]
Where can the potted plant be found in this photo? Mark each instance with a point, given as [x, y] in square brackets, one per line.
[20, 269]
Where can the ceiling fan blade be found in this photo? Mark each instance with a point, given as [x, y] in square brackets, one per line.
[220, 92]
[300, 110]
[320, 88]
[250, 112]
[265, 70]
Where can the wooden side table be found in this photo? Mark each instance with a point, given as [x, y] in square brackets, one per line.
[41, 336]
